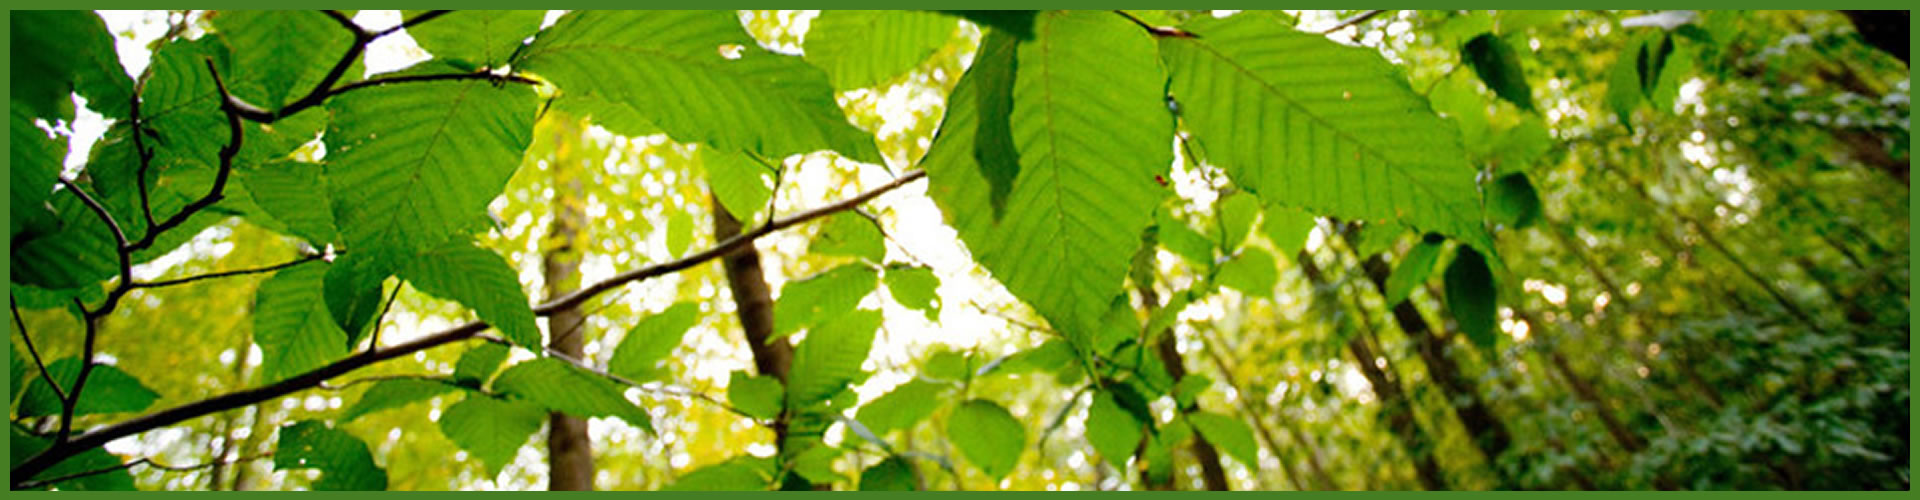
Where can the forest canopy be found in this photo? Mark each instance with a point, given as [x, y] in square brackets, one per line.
[959, 250]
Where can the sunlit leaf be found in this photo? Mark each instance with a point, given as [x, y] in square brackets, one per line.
[108, 390]
[988, 436]
[651, 341]
[560, 386]
[864, 48]
[492, 430]
[343, 460]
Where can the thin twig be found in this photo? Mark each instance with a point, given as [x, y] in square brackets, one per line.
[423, 17]
[15, 305]
[373, 344]
[146, 158]
[223, 274]
[662, 389]
[312, 378]
[1357, 19]
[380, 378]
[143, 461]
[80, 382]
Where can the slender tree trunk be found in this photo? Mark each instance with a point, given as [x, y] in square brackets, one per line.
[1260, 425]
[753, 301]
[569, 449]
[1209, 457]
[216, 477]
[1394, 403]
[1490, 434]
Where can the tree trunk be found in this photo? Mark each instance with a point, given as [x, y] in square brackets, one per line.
[753, 301]
[1209, 457]
[1490, 434]
[1393, 401]
[569, 450]
[1260, 425]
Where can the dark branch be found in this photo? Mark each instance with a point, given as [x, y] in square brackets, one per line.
[146, 157]
[223, 274]
[1357, 19]
[312, 378]
[1158, 31]
[22, 324]
[79, 383]
[423, 17]
[236, 136]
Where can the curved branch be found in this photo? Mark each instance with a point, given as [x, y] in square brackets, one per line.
[223, 274]
[313, 378]
[22, 324]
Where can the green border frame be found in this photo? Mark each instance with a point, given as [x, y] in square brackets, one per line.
[6, 151]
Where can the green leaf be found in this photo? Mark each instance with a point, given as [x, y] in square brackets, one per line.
[1113, 431]
[36, 162]
[947, 365]
[904, 406]
[641, 352]
[1188, 390]
[108, 390]
[559, 386]
[830, 357]
[1470, 296]
[758, 396]
[294, 194]
[1499, 67]
[343, 460]
[766, 103]
[57, 52]
[1623, 85]
[478, 364]
[1237, 212]
[1520, 147]
[1053, 355]
[1254, 272]
[491, 429]
[1182, 240]
[741, 184]
[615, 117]
[482, 281]
[865, 48]
[1229, 434]
[679, 233]
[738, 474]
[988, 436]
[807, 303]
[1018, 23]
[410, 166]
[816, 464]
[1375, 239]
[79, 252]
[1305, 121]
[1092, 130]
[291, 324]
[395, 393]
[1512, 201]
[915, 287]
[893, 474]
[280, 55]
[850, 234]
[23, 445]
[1412, 269]
[21, 370]
[484, 37]
[352, 287]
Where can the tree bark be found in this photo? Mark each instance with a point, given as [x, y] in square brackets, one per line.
[1490, 434]
[1209, 457]
[753, 302]
[1393, 401]
[1260, 425]
[569, 449]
